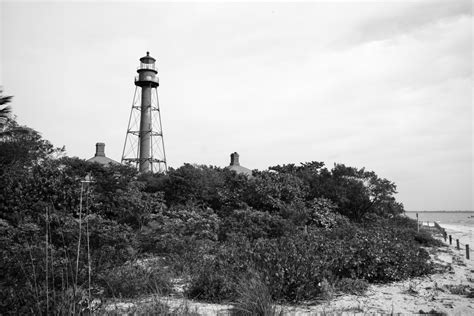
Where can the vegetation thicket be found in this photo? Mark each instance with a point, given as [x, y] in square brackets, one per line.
[293, 232]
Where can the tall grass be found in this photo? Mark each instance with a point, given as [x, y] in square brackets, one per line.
[43, 282]
[254, 298]
[134, 279]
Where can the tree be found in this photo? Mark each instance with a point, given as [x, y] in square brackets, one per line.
[273, 191]
[356, 192]
[5, 111]
[197, 183]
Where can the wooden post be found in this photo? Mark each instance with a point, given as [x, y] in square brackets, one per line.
[450, 239]
[457, 244]
[417, 223]
[467, 252]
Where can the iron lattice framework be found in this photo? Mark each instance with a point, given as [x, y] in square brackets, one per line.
[131, 148]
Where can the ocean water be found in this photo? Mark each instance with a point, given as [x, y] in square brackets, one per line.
[458, 224]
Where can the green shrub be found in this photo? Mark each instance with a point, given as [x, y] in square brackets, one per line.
[406, 227]
[253, 224]
[459, 289]
[304, 265]
[425, 238]
[432, 312]
[352, 286]
[135, 279]
[212, 286]
[212, 280]
[322, 213]
[216, 273]
[379, 254]
[293, 267]
[179, 229]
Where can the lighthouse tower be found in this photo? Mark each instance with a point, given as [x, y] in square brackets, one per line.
[144, 145]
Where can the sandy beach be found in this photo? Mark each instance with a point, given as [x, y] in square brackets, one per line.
[445, 291]
[464, 233]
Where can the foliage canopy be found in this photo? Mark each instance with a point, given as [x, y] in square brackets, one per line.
[302, 228]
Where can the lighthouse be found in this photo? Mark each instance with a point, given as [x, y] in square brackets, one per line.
[144, 144]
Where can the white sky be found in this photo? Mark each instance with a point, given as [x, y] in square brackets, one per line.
[385, 85]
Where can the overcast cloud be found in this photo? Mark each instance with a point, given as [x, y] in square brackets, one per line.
[381, 85]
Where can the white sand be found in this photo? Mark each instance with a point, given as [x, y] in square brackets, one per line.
[464, 233]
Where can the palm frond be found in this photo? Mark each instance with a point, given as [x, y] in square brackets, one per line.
[5, 112]
[5, 100]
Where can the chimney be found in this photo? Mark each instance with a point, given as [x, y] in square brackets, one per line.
[100, 150]
[234, 159]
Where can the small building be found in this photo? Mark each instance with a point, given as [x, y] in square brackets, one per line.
[235, 165]
[100, 157]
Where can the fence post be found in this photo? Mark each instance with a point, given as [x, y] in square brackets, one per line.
[417, 223]
[467, 252]
[457, 244]
[450, 240]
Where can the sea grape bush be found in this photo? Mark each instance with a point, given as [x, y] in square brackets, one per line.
[217, 272]
[254, 224]
[133, 279]
[179, 229]
[322, 213]
[379, 255]
[295, 266]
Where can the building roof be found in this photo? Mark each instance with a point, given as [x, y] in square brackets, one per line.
[235, 165]
[147, 59]
[100, 157]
